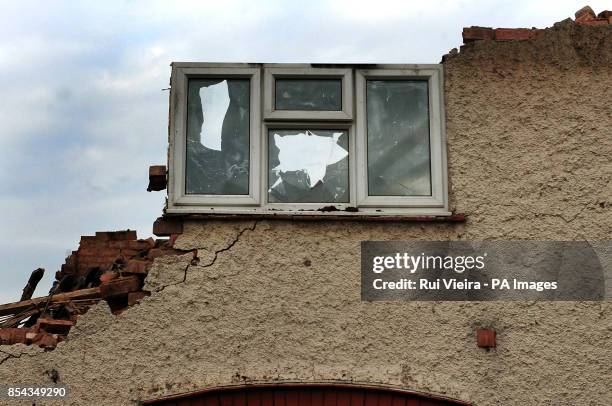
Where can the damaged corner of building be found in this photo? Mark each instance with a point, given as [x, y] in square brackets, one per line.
[109, 267]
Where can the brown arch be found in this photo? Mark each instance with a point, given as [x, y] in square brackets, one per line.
[304, 394]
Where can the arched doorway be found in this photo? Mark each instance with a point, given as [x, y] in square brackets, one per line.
[304, 394]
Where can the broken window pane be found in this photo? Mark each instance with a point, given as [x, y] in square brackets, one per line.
[308, 166]
[218, 137]
[398, 138]
[309, 94]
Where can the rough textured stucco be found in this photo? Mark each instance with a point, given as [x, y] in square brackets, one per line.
[529, 158]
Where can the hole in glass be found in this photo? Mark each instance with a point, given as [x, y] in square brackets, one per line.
[308, 166]
[218, 120]
[398, 138]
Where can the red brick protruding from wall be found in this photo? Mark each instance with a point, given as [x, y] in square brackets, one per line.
[471, 34]
[515, 34]
[485, 338]
[157, 178]
[166, 227]
[584, 16]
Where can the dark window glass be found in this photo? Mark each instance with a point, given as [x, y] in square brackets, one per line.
[308, 94]
[218, 137]
[398, 138]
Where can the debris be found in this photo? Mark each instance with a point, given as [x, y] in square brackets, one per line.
[108, 276]
[328, 208]
[12, 308]
[54, 326]
[120, 287]
[586, 13]
[110, 266]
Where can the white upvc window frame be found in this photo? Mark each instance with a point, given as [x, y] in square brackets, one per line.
[178, 135]
[437, 138]
[272, 73]
[263, 117]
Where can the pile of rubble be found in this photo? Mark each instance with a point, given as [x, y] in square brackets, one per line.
[110, 266]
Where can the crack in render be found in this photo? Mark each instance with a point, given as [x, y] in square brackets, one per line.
[212, 262]
[12, 356]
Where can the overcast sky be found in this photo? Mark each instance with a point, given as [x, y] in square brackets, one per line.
[83, 113]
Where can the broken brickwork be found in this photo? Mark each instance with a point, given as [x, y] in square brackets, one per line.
[109, 266]
[475, 34]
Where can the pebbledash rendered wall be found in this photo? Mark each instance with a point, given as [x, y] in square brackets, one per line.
[529, 151]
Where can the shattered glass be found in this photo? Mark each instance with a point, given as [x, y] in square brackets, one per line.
[398, 138]
[308, 166]
[309, 94]
[218, 120]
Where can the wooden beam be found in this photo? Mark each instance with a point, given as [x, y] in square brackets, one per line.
[12, 308]
[29, 289]
[119, 286]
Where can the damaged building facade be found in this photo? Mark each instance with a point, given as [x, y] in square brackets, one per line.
[251, 293]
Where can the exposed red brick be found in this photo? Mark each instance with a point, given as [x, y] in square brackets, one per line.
[116, 235]
[86, 251]
[485, 338]
[477, 33]
[515, 34]
[137, 245]
[584, 14]
[90, 239]
[164, 227]
[108, 276]
[13, 335]
[43, 339]
[151, 242]
[157, 178]
[128, 253]
[596, 21]
[113, 252]
[54, 326]
[136, 266]
[104, 257]
[154, 253]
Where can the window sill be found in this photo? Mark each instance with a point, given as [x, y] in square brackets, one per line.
[360, 216]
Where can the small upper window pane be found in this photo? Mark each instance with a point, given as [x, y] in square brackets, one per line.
[308, 94]
[218, 137]
[308, 166]
[398, 138]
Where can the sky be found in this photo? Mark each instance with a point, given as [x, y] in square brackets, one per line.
[85, 101]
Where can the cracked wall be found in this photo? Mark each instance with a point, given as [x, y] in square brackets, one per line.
[529, 143]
